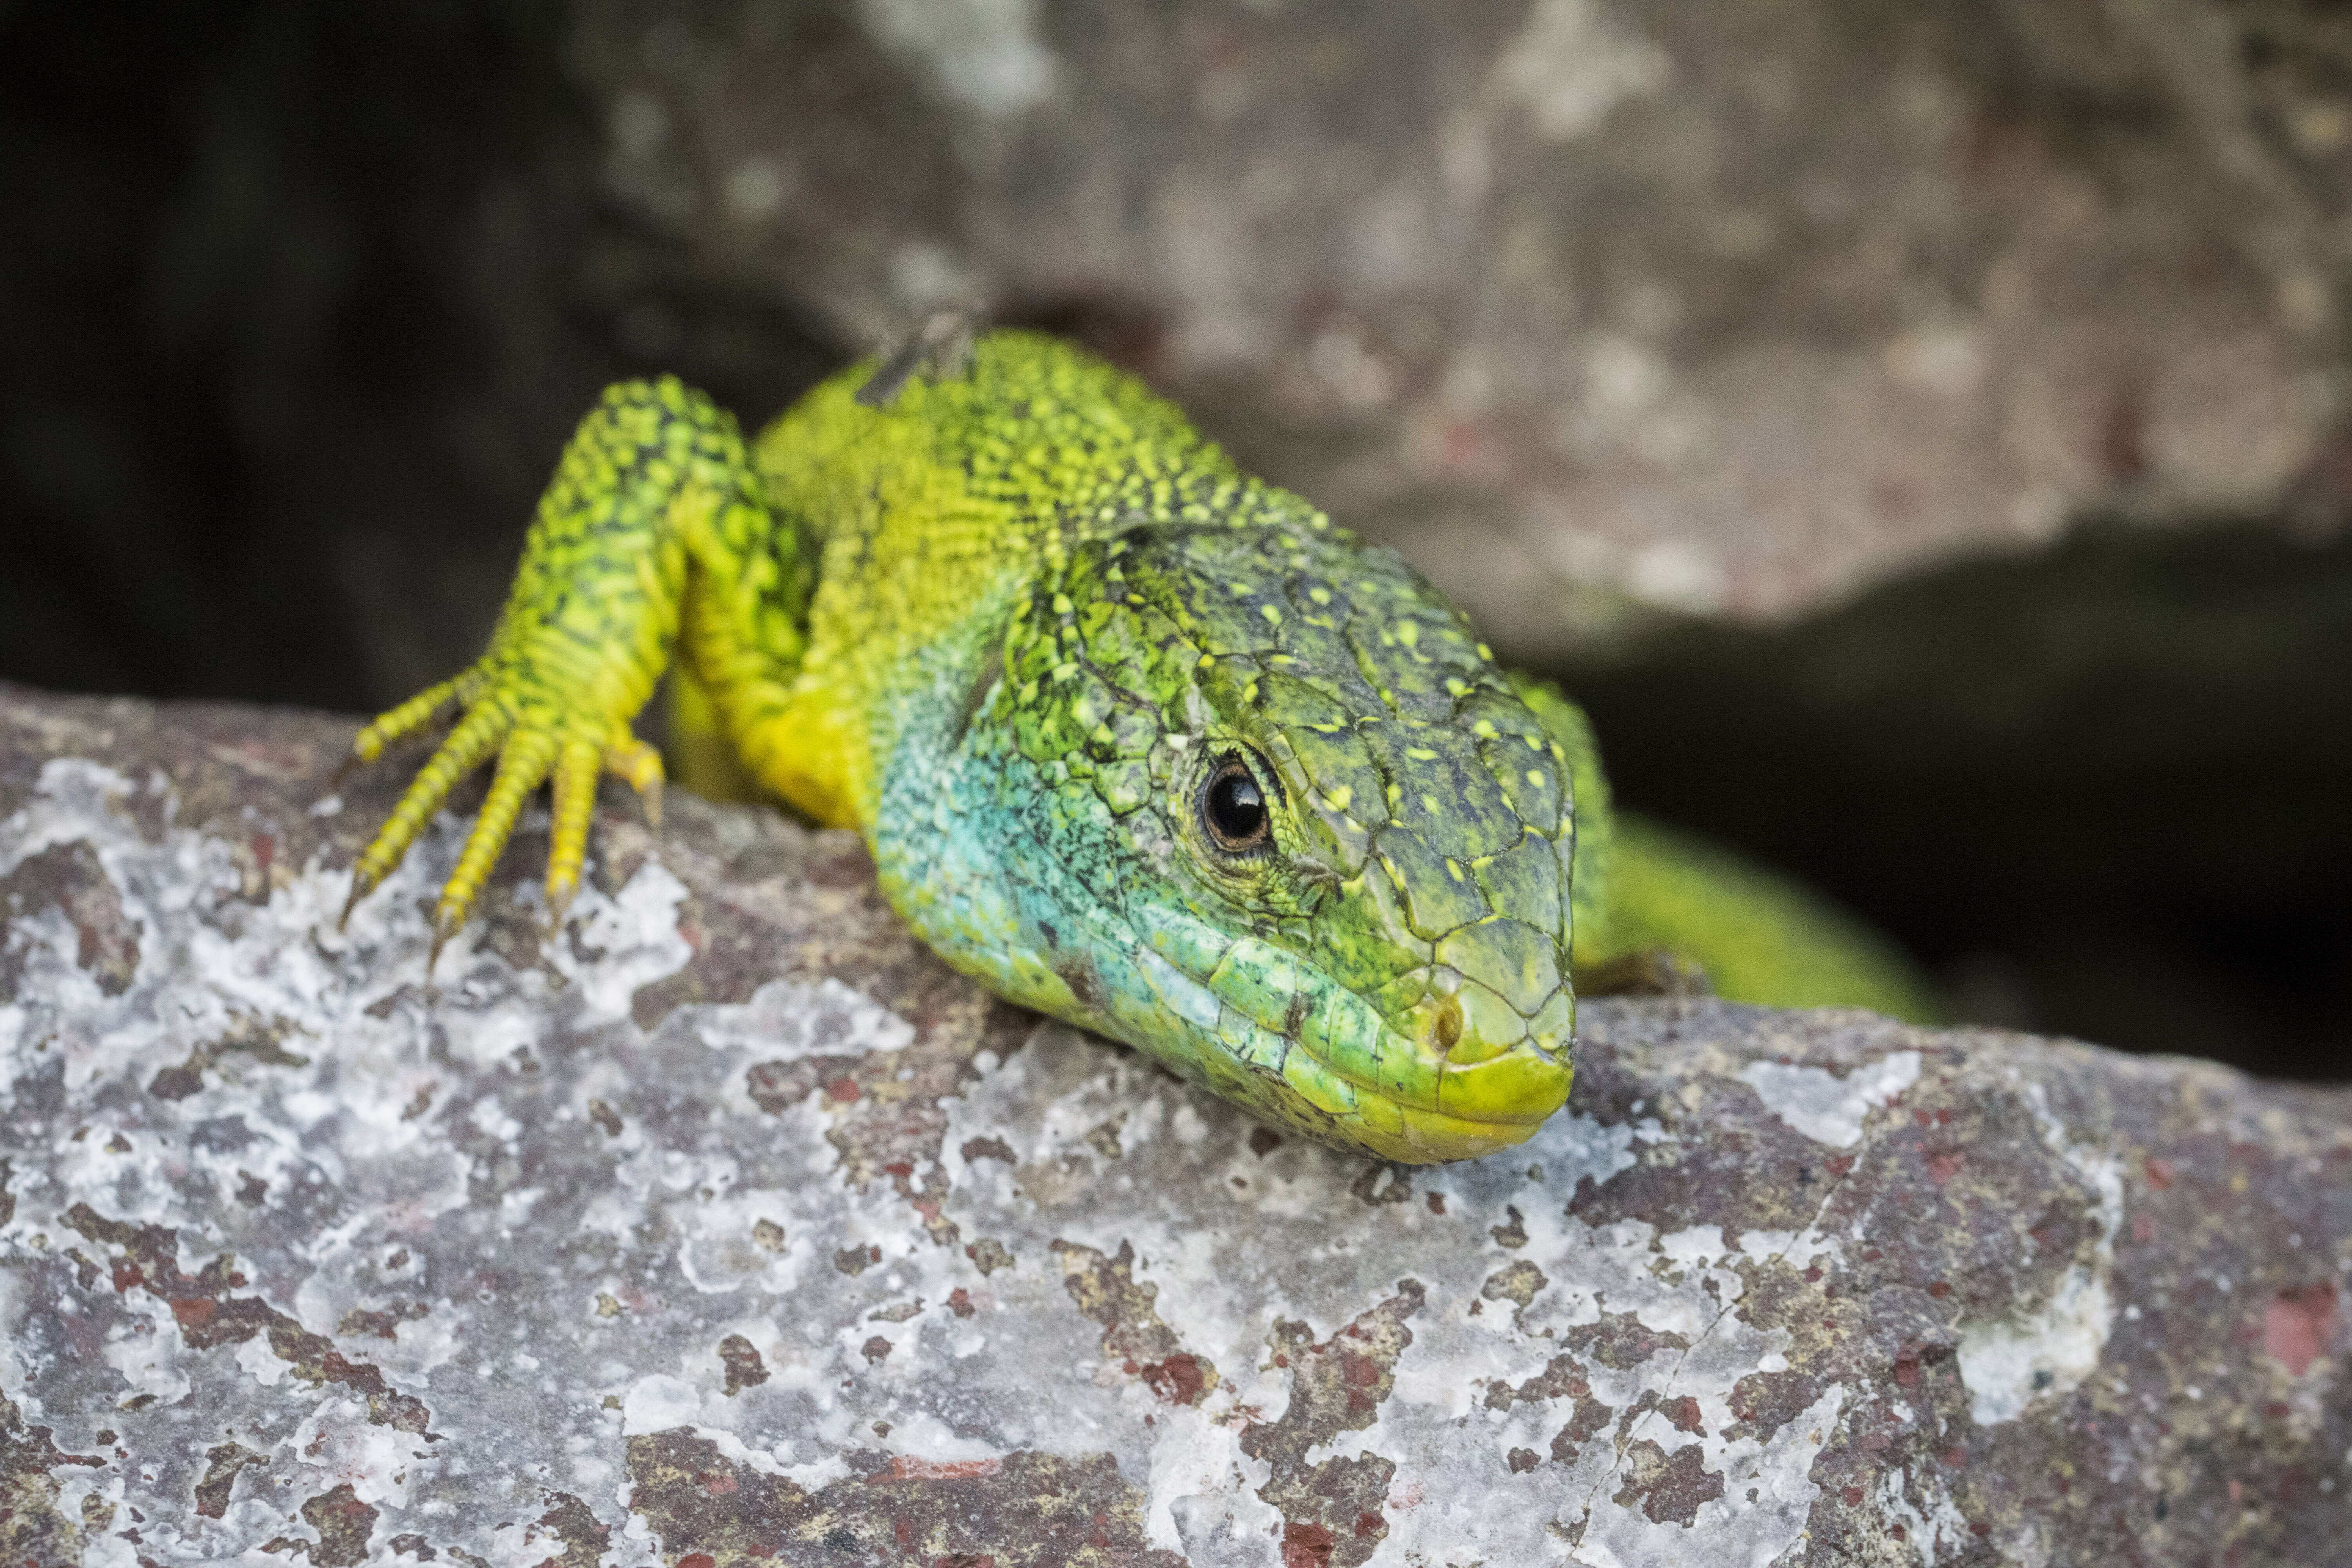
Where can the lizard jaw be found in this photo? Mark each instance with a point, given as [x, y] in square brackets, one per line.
[1299, 1048]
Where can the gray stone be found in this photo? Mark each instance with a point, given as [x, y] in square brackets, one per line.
[729, 1226]
[1598, 309]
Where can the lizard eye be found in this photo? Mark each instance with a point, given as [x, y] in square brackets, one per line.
[1233, 809]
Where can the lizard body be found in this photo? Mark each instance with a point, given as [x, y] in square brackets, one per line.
[1135, 739]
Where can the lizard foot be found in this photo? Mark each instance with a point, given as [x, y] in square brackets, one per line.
[531, 751]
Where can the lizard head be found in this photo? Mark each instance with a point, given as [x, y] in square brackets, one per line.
[1261, 804]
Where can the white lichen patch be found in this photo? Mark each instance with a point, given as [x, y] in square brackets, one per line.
[2010, 1362]
[985, 55]
[1824, 1107]
[786, 1019]
[1934, 1527]
[1571, 64]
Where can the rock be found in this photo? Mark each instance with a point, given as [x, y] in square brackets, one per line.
[729, 1225]
[1604, 310]
[1595, 308]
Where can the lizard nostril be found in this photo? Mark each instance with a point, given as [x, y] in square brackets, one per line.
[1446, 1029]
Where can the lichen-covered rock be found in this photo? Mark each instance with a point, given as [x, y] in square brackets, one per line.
[728, 1226]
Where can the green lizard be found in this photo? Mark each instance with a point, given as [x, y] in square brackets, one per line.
[1134, 738]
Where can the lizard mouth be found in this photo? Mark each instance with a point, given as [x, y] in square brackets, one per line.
[1455, 1075]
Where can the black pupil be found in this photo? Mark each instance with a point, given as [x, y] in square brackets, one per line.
[1237, 809]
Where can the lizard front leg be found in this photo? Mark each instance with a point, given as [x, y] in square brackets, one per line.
[655, 515]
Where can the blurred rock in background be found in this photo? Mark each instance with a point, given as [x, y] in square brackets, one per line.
[1919, 435]
[1724, 309]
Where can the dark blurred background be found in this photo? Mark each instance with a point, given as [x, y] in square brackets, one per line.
[1918, 439]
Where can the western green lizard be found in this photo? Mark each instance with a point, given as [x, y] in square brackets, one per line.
[1135, 739]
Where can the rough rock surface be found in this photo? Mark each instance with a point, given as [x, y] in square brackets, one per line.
[1724, 307]
[730, 1227]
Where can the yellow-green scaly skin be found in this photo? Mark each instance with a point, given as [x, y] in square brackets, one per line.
[1013, 622]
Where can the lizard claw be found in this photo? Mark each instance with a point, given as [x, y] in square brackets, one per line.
[361, 886]
[641, 767]
[444, 927]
